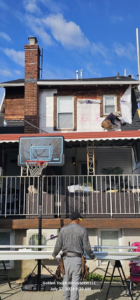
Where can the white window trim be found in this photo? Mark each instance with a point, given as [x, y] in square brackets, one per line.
[12, 238]
[100, 263]
[65, 113]
[115, 100]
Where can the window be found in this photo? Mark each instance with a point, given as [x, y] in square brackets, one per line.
[65, 112]
[6, 238]
[109, 238]
[109, 104]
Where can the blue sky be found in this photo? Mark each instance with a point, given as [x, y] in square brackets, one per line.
[96, 36]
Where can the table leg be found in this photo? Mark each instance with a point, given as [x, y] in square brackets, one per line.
[110, 281]
[105, 275]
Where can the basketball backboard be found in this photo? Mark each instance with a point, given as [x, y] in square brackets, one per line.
[49, 149]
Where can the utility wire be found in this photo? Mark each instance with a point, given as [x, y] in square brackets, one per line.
[33, 125]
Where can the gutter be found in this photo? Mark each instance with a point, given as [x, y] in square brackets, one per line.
[72, 83]
[80, 82]
[3, 85]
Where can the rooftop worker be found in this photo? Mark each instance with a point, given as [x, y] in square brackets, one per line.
[109, 121]
[73, 241]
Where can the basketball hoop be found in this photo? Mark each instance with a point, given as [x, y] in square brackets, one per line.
[36, 167]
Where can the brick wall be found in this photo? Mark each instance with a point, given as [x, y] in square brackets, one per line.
[13, 105]
[22, 102]
[31, 111]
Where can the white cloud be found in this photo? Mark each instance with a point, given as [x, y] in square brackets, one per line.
[127, 51]
[31, 6]
[99, 48]
[16, 56]
[115, 19]
[17, 72]
[54, 6]
[5, 36]
[108, 63]
[37, 27]
[91, 69]
[54, 72]
[6, 73]
[3, 4]
[68, 34]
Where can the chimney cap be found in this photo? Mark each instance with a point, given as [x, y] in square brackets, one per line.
[32, 40]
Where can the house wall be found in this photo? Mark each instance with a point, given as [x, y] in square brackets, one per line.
[136, 169]
[23, 268]
[136, 158]
[104, 157]
[11, 166]
[14, 103]
[46, 110]
[87, 117]
[115, 157]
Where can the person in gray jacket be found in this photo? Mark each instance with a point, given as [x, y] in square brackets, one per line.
[73, 241]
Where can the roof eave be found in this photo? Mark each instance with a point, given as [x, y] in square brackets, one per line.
[78, 82]
[3, 85]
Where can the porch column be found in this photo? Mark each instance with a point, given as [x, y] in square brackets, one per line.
[90, 159]
[3, 163]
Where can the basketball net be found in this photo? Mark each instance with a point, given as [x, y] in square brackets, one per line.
[36, 167]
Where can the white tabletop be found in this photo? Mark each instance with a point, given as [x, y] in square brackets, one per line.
[28, 254]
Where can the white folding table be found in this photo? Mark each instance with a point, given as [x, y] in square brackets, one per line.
[27, 253]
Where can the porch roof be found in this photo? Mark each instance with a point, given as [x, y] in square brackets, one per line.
[77, 136]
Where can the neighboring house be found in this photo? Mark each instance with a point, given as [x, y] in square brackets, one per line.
[101, 174]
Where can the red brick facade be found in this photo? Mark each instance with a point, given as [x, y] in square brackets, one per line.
[31, 110]
[13, 105]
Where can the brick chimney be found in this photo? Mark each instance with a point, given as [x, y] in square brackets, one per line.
[32, 74]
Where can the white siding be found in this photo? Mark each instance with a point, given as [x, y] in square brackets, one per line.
[115, 157]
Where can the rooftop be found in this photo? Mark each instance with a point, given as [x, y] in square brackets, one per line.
[103, 80]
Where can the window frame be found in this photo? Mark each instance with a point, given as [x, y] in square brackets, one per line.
[115, 102]
[58, 128]
[104, 263]
[10, 265]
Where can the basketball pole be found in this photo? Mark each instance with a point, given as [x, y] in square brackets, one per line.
[39, 231]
